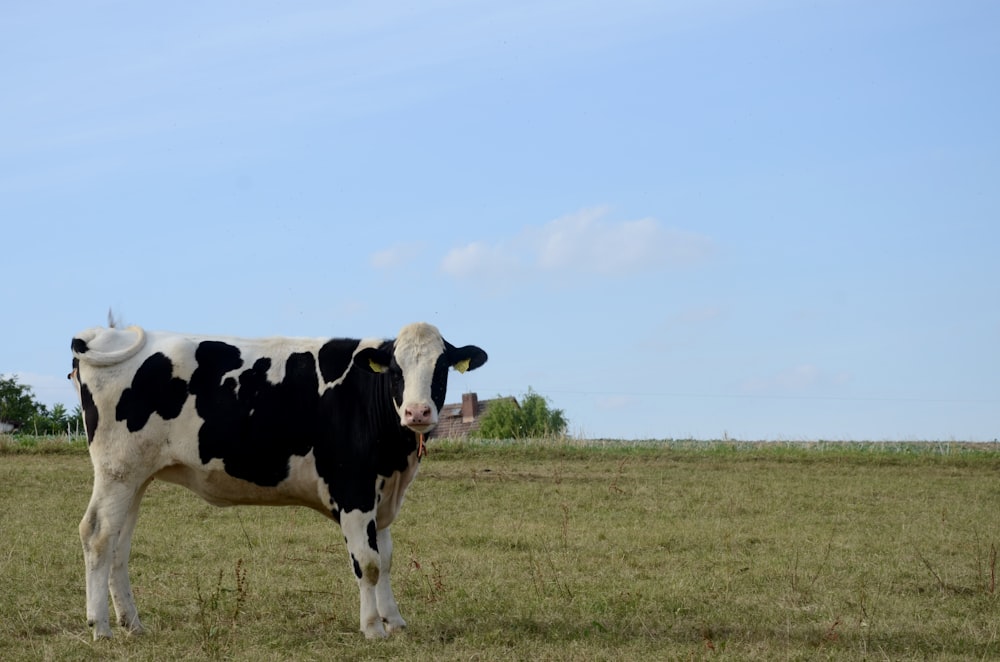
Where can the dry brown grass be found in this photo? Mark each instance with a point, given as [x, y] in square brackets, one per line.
[552, 551]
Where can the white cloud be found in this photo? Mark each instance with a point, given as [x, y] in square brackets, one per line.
[482, 260]
[585, 242]
[396, 255]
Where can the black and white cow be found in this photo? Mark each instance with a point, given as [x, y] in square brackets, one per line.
[328, 424]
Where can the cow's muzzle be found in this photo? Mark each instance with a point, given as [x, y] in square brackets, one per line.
[420, 418]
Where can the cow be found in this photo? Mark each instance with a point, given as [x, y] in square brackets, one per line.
[336, 425]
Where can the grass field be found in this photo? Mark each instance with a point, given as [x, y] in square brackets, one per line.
[545, 551]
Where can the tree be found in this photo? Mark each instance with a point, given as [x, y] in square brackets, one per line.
[532, 419]
[17, 403]
[19, 407]
[56, 421]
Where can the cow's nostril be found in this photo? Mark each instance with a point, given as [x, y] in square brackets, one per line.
[417, 414]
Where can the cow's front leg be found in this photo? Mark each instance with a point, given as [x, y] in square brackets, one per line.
[388, 609]
[362, 545]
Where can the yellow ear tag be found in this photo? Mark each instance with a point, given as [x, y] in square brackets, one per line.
[462, 365]
[376, 366]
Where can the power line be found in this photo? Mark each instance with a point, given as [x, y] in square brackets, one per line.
[764, 396]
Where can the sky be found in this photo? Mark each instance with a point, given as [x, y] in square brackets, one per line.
[770, 220]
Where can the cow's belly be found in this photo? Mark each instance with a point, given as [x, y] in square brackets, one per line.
[392, 490]
[303, 486]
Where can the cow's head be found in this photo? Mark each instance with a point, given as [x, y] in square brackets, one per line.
[417, 363]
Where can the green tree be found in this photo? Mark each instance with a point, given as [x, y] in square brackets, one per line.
[17, 402]
[18, 406]
[46, 421]
[532, 419]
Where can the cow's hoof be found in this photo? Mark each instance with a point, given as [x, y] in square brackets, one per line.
[101, 632]
[375, 631]
[135, 630]
[394, 625]
[132, 626]
[101, 628]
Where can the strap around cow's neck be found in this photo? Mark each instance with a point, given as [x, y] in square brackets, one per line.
[421, 446]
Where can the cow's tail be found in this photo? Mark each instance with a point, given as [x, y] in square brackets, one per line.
[103, 338]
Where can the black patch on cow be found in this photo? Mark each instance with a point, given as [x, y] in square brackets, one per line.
[154, 390]
[253, 425]
[439, 383]
[372, 535]
[214, 358]
[359, 416]
[89, 408]
[79, 346]
[335, 358]
[357, 566]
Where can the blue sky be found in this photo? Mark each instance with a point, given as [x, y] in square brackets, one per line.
[764, 220]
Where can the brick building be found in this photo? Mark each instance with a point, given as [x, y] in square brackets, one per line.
[457, 420]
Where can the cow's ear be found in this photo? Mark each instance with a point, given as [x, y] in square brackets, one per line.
[465, 358]
[372, 359]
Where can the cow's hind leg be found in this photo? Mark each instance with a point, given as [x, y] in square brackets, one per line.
[388, 609]
[362, 544]
[121, 587]
[100, 533]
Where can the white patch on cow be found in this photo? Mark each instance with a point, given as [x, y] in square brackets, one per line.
[210, 481]
[368, 563]
[417, 349]
[323, 490]
[388, 609]
[111, 346]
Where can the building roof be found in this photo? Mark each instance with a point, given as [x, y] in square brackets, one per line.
[457, 420]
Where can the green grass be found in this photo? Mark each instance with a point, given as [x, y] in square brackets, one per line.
[553, 550]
